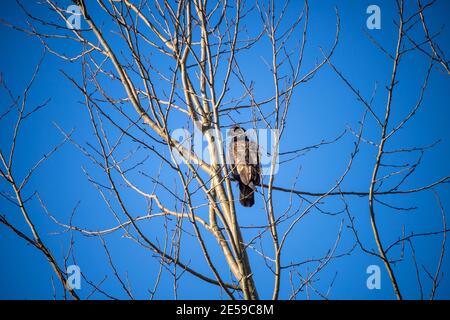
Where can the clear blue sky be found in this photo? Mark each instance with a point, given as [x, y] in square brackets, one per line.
[321, 109]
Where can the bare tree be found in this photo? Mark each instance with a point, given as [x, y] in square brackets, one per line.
[171, 65]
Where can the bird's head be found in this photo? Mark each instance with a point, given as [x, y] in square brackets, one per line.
[236, 131]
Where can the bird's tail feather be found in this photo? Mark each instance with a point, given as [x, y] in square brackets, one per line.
[247, 195]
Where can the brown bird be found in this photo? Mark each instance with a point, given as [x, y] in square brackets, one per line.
[245, 167]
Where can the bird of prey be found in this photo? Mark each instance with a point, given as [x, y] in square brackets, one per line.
[244, 157]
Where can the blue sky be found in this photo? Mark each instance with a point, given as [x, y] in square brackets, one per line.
[321, 109]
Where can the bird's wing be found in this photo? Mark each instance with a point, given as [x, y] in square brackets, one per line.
[245, 173]
[240, 155]
[253, 153]
[234, 152]
[254, 161]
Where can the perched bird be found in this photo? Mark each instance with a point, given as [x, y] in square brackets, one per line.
[244, 157]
